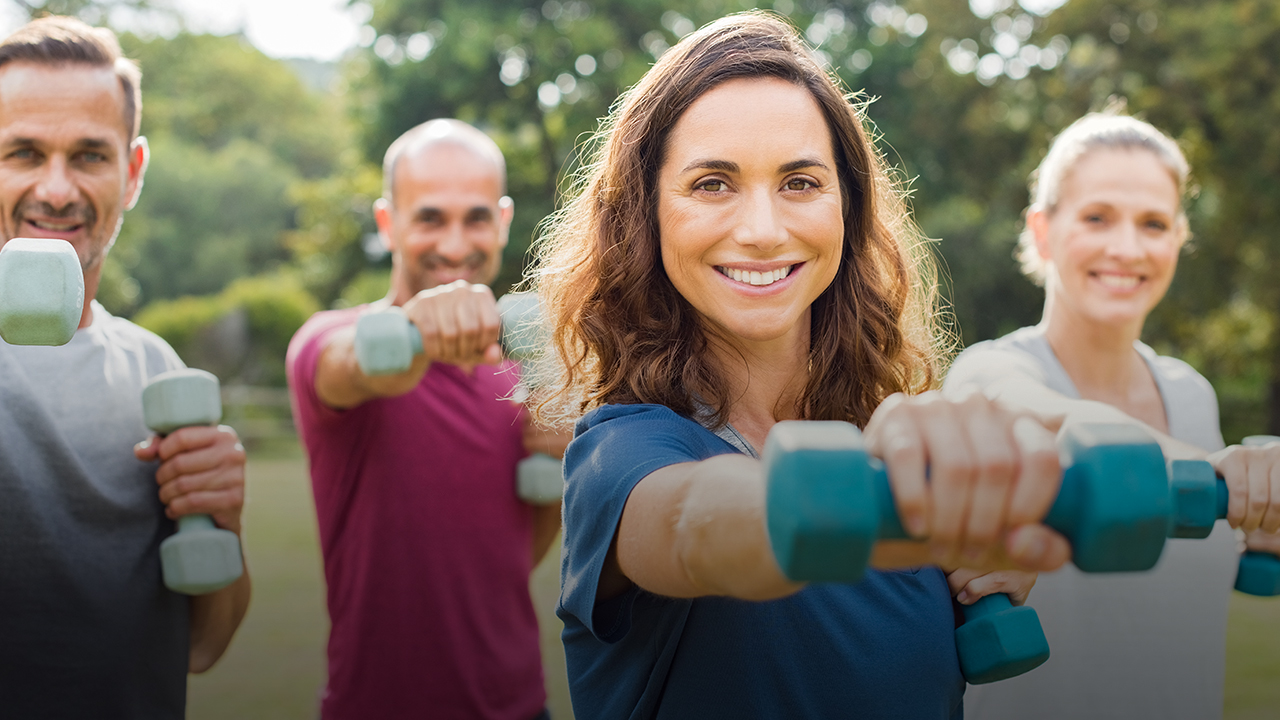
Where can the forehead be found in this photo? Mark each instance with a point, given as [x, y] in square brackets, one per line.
[446, 174]
[61, 102]
[765, 119]
[1122, 177]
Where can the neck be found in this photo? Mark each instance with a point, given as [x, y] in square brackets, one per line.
[92, 278]
[1095, 355]
[765, 381]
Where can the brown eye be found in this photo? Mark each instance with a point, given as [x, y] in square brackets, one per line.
[714, 186]
[799, 185]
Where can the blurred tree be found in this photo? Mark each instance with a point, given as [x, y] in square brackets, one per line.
[233, 134]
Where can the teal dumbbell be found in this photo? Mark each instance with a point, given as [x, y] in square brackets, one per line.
[539, 477]
[1200, 499]
[386, 343]
[828, 502]
[200, 557]
[41, 291]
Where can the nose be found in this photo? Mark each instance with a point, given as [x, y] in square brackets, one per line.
[55, 186]
[454, 246]
[759, 223]
[1126, 243]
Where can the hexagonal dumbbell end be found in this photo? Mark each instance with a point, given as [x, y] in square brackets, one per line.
[386, 342]
[822, 504]
[998, 641]
[1114, 504]
[1259, 574]
[200, 557]
[540, 480]
[41, 292]
[523, 333]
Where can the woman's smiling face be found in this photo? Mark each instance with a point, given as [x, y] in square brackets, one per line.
[1114, 236]
[749, 209]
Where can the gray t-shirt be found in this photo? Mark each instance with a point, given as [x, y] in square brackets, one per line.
[87, 628]
[1128, 646]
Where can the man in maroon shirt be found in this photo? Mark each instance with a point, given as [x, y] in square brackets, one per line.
[427, 549]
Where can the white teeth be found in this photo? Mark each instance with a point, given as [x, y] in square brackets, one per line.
[56, 227]
[753, 277]
[1119, 282]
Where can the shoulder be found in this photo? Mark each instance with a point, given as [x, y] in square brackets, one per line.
[1017, 354]
[1180, 378]
[657, 429]
[123, 334]
[318, 327]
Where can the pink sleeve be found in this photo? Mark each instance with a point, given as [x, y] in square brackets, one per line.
[301, 361]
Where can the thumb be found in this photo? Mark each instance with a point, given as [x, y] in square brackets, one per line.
[148, 449]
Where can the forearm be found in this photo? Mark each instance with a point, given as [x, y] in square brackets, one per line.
[1032, 396]
[546, 526]
[341, 384]
[214, 620]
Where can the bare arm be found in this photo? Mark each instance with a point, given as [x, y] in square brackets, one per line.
[546, 527]
[458, 323]
[202, 471]
[696, 529]
[214, 620]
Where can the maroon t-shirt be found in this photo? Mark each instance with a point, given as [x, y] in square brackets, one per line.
[427, 549]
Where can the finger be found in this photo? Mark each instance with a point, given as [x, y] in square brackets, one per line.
[219, 478]
[896, 441]
[1259, 480]
[1016, 584]
[227, 453]
[470, 336]
[1227, 463]
[492, 354]
[447, 330]
[188, 439]
[1039, 474]
[1271, 518]
[490, 322]
[428, 328]
[957, 579]
[996, 466]
[952, 474]
[223, 504]
[148, 449]
[1036, 547]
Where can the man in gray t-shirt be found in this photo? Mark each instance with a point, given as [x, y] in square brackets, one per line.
[87, 628]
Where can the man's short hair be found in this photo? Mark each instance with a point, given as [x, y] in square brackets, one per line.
[58, 41]
[441, 130]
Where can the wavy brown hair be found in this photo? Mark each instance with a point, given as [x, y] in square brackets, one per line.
[623, 334]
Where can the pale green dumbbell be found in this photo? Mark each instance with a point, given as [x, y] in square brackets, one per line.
[539, 477]
[200, 557]
[41, 291]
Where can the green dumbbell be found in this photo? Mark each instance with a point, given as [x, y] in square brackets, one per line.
[1200, 499]
[828, 502]
[539, 477]
[386, 343]
[200, 557]
[41, 291]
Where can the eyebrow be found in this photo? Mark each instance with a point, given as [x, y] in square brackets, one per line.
[727, 166]
[92, 143]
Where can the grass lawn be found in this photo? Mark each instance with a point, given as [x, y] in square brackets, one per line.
[275, 667]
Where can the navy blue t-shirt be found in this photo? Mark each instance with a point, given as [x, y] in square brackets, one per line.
[883, 648]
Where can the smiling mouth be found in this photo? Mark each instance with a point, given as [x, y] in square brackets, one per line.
[753, 277]
[1118, 282]
[58, 227]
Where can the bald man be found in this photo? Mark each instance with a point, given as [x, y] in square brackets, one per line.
[427, 550]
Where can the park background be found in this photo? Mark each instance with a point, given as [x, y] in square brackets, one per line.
[257, 207]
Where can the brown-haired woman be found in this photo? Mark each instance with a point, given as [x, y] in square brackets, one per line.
[736, 256]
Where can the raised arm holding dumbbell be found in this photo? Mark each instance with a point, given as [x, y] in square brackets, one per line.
[405, 410]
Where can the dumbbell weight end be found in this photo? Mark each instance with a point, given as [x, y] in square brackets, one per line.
[540, 480]
[201, 557]
[998, 641]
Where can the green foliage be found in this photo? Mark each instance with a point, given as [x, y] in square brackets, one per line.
[239, 334]
[335, 215]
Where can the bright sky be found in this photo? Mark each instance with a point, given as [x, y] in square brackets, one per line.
[320, 29]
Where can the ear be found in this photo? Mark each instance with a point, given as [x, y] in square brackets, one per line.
[382, 217]
[1038, 224]
[139, 158]
[506, 211]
